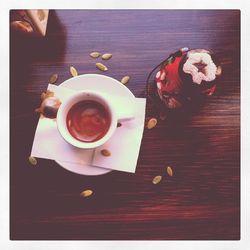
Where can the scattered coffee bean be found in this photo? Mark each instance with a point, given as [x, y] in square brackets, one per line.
[86, 193]
[73, 71]
[95, 54]
[105, 152]
[151, 123]
[53, 78]
[125, 79]
[170, 171]
[101, 67]
[157, 179]
[32, 160]
[106, 56]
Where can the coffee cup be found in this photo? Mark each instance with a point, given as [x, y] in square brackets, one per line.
[88, 119]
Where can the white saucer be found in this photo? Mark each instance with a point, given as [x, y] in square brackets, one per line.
[103, 84]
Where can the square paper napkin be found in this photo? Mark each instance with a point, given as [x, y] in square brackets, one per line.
[124, 145]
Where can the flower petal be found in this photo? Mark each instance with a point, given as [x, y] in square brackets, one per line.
[159, 85]
[158, 74]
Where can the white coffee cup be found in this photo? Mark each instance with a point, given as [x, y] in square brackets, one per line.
[88, 95]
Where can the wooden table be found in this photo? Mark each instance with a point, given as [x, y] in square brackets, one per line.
[201, 200]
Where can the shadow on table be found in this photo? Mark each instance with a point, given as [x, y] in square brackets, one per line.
[26, 50]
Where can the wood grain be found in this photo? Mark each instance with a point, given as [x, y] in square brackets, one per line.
[201, 200]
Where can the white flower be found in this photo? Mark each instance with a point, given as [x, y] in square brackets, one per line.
[201, 66]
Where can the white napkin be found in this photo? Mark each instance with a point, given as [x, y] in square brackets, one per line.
[124, 145]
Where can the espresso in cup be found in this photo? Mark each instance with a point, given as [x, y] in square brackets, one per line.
[88, 121]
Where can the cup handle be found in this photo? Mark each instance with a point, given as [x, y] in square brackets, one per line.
[124, 107]
[126, 113]
[125, 118]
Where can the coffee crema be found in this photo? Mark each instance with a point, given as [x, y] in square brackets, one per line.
[88, 121]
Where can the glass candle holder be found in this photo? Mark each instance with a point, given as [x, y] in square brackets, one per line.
[185, 76]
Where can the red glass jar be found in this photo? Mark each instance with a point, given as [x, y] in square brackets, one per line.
[186, 75]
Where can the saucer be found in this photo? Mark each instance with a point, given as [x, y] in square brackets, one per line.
[100, 83]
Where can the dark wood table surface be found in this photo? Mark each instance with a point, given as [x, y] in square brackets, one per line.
[201, 200]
